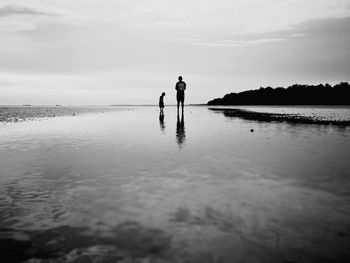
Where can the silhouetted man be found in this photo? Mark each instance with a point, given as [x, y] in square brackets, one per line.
[180, 93]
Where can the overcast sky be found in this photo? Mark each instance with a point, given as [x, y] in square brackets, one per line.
[130, 51]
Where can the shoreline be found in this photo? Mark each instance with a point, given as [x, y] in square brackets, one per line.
[277, 117]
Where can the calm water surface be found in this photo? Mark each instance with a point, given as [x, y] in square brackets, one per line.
[132, 186]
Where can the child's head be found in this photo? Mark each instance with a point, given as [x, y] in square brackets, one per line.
[163, 94]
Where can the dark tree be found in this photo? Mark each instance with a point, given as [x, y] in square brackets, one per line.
[296, 94]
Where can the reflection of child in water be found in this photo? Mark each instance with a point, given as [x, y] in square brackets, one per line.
[161, 102]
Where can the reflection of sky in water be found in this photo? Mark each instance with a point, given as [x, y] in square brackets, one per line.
[204, 180]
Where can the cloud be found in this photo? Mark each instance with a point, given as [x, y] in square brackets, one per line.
[228, 42]
[6, 83]
[236, 17]
[21, 18]
[10, 10]
[64, 46]
[297, 35]
[15, 18]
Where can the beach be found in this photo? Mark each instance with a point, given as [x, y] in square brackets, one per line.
[124, 184]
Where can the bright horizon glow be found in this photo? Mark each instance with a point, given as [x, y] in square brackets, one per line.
[89, 52]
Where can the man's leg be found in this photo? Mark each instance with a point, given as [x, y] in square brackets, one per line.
[182, 103]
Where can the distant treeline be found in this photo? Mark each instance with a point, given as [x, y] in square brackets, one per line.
[296, 94]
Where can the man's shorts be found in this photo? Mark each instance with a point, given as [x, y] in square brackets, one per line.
[180, 97]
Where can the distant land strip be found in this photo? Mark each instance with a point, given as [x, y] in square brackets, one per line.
[277, 117]
[296, 94]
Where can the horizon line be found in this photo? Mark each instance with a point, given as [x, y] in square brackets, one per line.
[93, 105]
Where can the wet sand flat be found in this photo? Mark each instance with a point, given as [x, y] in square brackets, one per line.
[132, 186]
[25, 113]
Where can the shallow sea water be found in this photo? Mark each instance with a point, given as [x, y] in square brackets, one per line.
[130, 186]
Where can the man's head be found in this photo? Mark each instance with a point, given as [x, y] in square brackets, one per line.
[180, 78]
[163, 94]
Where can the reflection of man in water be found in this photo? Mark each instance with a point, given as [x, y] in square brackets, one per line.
[161, 121]
[180, 129]
[180, 93]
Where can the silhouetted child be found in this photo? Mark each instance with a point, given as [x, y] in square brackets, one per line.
[161, 102]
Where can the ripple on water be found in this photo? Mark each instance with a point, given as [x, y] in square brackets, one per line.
[94, 188]
[127, 242]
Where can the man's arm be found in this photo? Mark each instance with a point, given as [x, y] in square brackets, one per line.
[176, 86]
